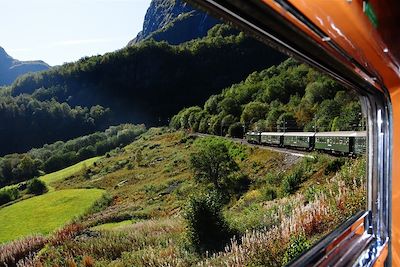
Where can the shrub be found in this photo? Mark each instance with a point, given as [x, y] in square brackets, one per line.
[37, 187]
[269, 193]
[8, 195]
[274, 179]
[206, 227]
[335, 165]
[213, 163]
[292, 181]
[297, 245]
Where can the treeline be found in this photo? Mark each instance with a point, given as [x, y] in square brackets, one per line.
[150, 82]
[287, 97]
[15, 168]
[27, 122]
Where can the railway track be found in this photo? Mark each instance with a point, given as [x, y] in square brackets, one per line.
[292, 152]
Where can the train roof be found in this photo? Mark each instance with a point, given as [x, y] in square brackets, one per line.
[272, 133]
[253, 133]
[299, 134]
[342, 133]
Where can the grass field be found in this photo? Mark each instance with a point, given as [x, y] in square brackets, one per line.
[64, 173]
[43, 214]
[114, 225]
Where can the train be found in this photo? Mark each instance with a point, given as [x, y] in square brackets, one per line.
[350, 143]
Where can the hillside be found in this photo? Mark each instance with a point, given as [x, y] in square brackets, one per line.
[11, 68]
[288, 97]
[15, 168]
[153, 189]
[150, 82]
[173, 21]
[28, 122]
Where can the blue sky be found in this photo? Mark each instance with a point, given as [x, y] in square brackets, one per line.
[59, 31]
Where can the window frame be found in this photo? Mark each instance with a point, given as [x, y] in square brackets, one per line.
[373, 226]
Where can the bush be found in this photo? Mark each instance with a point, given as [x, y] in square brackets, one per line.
[274, 179]
[206, 227]
[269, 193]
[37, 187]
[297, 245]
[8, 195]
[213, 163]
[292, 181]
[335, 165]
[238, 184]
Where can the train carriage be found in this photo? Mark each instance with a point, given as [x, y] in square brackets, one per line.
[340, 142]
[253, 137]
[360, 143]
[302, 140]
[272, 138]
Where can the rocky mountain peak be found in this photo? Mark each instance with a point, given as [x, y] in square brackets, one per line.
[174, 21]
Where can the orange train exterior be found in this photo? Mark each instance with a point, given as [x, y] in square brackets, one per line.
[358, 43]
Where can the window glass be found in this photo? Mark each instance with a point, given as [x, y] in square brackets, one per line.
[195, 145]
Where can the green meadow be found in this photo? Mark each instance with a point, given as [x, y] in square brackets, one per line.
[64, 173]
[43, 214]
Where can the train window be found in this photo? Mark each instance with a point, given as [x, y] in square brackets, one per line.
[331, 206]
[285, 164]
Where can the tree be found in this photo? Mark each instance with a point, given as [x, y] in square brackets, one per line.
[236, 130]
[207, 228]
[253, 112]
[212, 163]
[37, 187]
[230, 106]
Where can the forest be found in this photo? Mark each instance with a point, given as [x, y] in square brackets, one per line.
[28, 122]
[287, 97]
[15, 168]
[130, 85]
[135, 81]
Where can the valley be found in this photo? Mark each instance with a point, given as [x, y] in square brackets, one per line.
[137, 157]
[150, 187]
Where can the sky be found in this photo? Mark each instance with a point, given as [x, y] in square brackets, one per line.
[59, 31]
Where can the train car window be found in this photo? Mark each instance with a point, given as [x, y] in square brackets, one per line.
[330, 207]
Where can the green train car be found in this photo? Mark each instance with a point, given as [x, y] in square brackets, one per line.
[253, 137]
[272, 138]
[302, 140]
[360, 144]
[348, 142]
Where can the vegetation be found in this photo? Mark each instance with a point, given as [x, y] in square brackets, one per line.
[207, 229]
[15, 168]
[8, 195]
[157, 209]
[43, 214]
[45, 121]
[290, 97]
[67, 172]
[213, 164]
[135, 81]
[36, 187]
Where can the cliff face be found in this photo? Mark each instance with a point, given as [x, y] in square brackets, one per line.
[174, 21]
[11, 68]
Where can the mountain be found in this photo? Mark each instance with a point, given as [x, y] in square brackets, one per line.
[148, 83]
[175, 22]
[11, 68]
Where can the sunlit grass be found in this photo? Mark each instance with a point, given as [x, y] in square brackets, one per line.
[113, 225]
[65, 173]
[43, 214]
